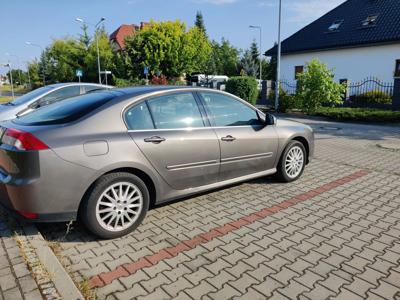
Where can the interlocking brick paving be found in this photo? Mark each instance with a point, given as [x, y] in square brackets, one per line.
[340, 242]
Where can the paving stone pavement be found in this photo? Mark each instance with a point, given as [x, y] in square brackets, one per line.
[16, 281]
[333, 234]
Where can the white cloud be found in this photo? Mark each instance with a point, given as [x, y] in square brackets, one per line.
[216, 2]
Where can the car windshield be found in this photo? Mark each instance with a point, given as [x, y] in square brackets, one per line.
[30, 96]
[66, 111]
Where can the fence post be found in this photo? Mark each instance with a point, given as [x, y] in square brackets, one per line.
[396, 94]
[264, 91]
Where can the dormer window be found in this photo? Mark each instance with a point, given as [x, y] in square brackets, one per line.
[335, 26]
[370, 21]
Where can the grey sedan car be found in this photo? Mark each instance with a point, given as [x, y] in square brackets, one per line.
[107, 156]
[44, 96]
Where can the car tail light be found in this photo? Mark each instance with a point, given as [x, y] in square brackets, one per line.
[22, 140]
[27, 215]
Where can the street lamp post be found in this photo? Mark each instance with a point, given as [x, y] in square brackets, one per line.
[11, 78]
[278, 55]
[97, 42]
[29, 75]
[19, 65]
[260, 29]
[44, 60]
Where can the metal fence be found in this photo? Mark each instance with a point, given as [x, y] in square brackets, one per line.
[370, 92]
[289, 87]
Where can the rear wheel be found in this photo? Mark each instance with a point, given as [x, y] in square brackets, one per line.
[292, 162]
[117, 204]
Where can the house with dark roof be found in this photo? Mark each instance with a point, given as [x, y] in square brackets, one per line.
[358, 39]
[117, 38]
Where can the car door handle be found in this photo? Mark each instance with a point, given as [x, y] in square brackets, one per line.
[228, 138]
[154, 139]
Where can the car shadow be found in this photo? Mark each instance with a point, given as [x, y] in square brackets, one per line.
[67, 232]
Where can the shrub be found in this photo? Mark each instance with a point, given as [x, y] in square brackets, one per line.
[359, 114]
[316, 86]
[286, 101]
[244, 87]
[159, 80]
[119, 82]
[372, 97]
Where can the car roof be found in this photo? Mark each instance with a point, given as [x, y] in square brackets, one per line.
[58, 85]
[142, 90]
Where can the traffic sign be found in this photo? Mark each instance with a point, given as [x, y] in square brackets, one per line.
[146, 70]
[79, 73]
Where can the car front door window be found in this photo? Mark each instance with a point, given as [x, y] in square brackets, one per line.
[227, 111]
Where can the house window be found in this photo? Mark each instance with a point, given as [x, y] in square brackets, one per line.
[397, 71]
[335, 25]
[298, 70]
[370, 21]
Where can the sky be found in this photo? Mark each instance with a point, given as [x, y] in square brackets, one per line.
[41, 21]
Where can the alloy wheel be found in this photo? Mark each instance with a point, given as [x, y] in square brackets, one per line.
[294, 162]
[119, 206]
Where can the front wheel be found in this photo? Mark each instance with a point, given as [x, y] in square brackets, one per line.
[117, 204]
[292, 162]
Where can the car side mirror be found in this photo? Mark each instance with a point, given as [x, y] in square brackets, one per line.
[266, 119]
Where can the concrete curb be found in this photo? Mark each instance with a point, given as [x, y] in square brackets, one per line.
[62, 281]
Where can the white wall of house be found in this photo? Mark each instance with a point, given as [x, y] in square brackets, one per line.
[354, 64]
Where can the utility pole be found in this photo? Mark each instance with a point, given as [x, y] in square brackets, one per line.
[278, 55]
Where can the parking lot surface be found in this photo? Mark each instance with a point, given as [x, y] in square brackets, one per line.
[335, 233]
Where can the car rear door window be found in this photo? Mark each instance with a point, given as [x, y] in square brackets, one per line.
[66, 111]
[172, 111]
[138, 117]
[227, 111]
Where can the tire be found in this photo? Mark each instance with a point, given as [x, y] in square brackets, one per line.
[107, 218]
[285, 175]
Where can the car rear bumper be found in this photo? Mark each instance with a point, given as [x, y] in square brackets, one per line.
[41, 185]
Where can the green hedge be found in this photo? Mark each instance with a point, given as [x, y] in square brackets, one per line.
[372, 97]
[359, 114]
[244, 87]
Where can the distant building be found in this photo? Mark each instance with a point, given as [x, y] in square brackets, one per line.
[117, 38]
[3, 79]
[358, 39]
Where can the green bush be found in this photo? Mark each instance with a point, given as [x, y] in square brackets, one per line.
[359, 114]
[372, 97]
[316, 86]
[244, 87]
[286, 101]
[119, 82]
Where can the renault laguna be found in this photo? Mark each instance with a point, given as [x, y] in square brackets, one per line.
[107, 156]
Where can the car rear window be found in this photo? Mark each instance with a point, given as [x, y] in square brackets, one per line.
[66, 111]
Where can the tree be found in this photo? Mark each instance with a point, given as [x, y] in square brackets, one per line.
[316, 87]
[248, 65]
[19, 77]
[223, 59]
[84, 37]
[168, 47]
[107, 57]
[255, 54]
[34, 73]
[199, 23]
